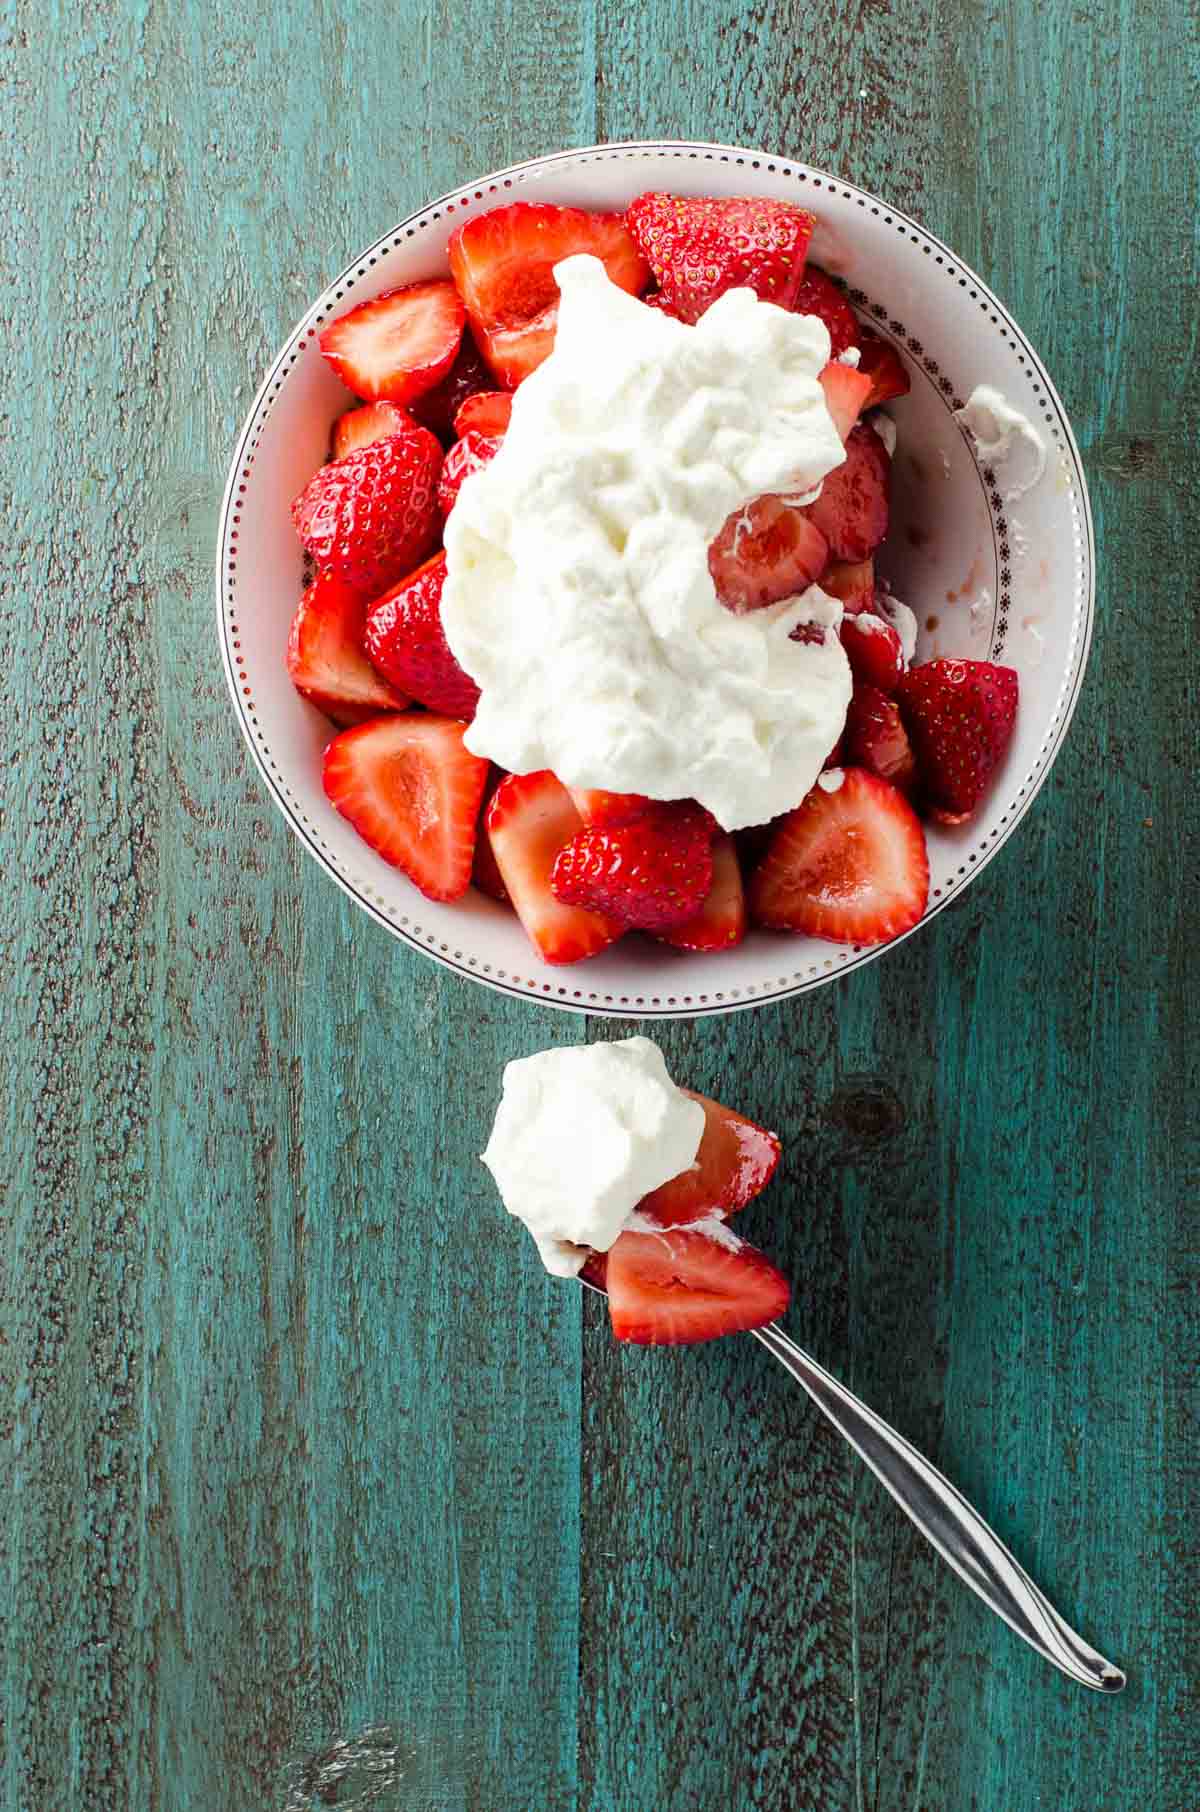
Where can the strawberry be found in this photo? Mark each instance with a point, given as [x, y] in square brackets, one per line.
[653, 873]
[439, 407]
[486, 412]
[852, 510]
[875, 738]
[960, 717]
[846, 393]
[399, 344]
[325, 658]
[849, 865]
[372, 516]
[735, 1162]
[404, 636]
[598, 808]
[873, 649]
[851, 581]
[468, 455]
[721, 920]
[503, 264]
[529, 820]
[411, 790]
[819, 295]
[690, 1284]
[880, 361]
[767, 551]
[698, 248]
[485, 874]
[374, 421]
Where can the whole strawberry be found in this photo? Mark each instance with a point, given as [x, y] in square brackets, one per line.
[959, 716]
[404, 635]
[372, 516]
[699, 247]
[654, 872]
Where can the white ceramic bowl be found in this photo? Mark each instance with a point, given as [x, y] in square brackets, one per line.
[987, 578]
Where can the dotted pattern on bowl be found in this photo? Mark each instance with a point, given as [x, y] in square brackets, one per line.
[809, 183]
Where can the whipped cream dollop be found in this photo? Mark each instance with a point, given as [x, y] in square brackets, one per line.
[998, 430]
[578, 594]
[582, 1133]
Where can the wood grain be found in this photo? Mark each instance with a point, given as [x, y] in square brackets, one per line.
[315, 1490]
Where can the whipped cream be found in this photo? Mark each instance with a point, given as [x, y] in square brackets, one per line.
[997, 430]
[902, 620]
[578, 594]
[885, 427]
[582, 1133]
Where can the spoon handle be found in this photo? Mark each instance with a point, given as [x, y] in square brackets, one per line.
[945, 1518]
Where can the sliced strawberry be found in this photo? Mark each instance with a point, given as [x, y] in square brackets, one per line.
[371, 517]
[873, 649]
[468, 455]
[599, 808]
[503, 264]
[325, 658]
[653, 873]
[852, 510]
[960, 717]
[439, 407]
[485, 874]
[819, 295]
[880, 361]
[848, 864]
[404, 636]
[487, 412]
[685, 1285]
[767, 551]
[374, 421]
[721, 920]
[529, 820]
[851, 581]
[698, 248]
[846, 393]
[411, 790]
[875, 738]
[736, 1160]
[400, 344]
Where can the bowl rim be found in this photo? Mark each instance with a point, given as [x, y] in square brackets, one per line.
[709, 1006]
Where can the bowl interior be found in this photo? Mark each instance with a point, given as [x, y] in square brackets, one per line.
[989, 575]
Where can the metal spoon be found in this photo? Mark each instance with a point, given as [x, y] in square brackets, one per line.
[944, 1517]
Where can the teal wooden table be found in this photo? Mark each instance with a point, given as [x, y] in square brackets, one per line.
[316, 1490]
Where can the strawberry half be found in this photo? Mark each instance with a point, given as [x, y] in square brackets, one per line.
[371, 517]
[765, 552]
[851, 581]
[529, 820]
[411, 789]
[960, 717]
[880, 361]
[720, 923]
[875, 738]
[819, 295]
[487, 412]
[374, 421]
[846, 393]
[849, 865]
[698, 248]
[686, 1285]
[398, 345]
[438, 408]
[873, 649]
[653, 873]
[404, 636]
[468, 455]
[503, 264]
[735, 1162]
[325, 659]
[852, 510]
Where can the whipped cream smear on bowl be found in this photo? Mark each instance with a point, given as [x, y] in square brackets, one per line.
[581, 1134]
[578, 594]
